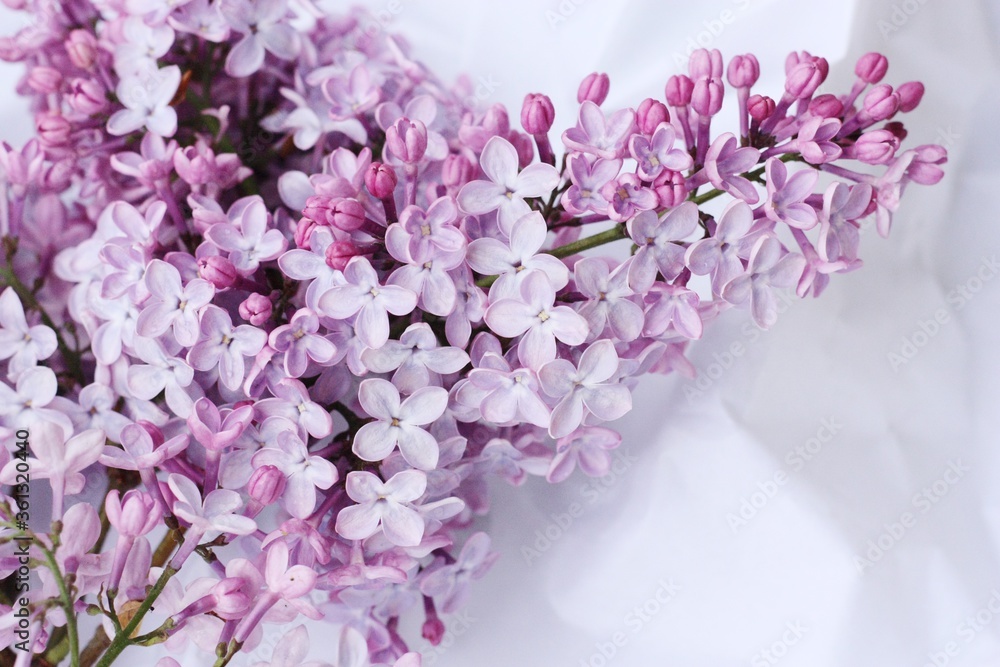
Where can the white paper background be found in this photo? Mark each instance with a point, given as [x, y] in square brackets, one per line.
[664, 519]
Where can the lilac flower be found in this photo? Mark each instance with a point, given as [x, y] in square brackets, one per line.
[59, 460]
[450, 584]
[725, 163]
[658, 153]
[261, 23]
[291, 651]
[585, 389]
[161, 372]
[310, 265]
[503, 395]
[589, 176]
[385, 505]
[786, 195]
[138, 453]
[291, 401]
[353, 652]
[658, 250]
[423, 108]
[364, 297]
[300, 343]
[398, 423]
[589, 448]
[416, 359]
[597, 135]
[512, 262]
[427, 275]
[304, 473]
[815, 140]
[433, 230]
[839, 235]
[173, 305]
[225, 346]
[720, 254]
[117, 328]
[130, 277]
[627, 196]
[506, 189]
[770, 267]
[536, 317]
[610, 301]
[147, 104]
[246, 237]
[24, 345]
[96, 409]
[353, 95]
[206, 519]
[34, 390]
[672, 306]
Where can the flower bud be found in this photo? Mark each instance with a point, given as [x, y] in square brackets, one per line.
[760, 107]
[706, 98]
[44, 80]
[456, 171]
[524, 146]
[339, 253]
[537, 114]
[898, 130]
[496, 121]
[871, 67]
[670, 188]
[705, 63]
[678, 90]
[380, 179]
[256, 309]
[266, 484]
[594, 88]
[650, 114]
[826, 106]
[433, 630]
[134, 514]
[53, 129]
[81, 46]
[910, 95]
[303, 233]
[743, 71]
[347, 215]
[805, 77]
[876, 147]
[87, 97]
[407, 140]
[231, 599]
[881, 102]
[218, 270]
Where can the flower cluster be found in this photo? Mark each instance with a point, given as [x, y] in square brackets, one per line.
[277, 301]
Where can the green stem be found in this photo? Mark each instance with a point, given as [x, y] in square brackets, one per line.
[123, 639]
[66, 603]
[71, 358]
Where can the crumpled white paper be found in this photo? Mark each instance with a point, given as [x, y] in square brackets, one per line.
[811, 500]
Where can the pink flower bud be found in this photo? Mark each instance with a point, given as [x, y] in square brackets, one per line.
[898, 130]
[876, 147]
[87, 97]
[134, 514]
[871, 67]
[256, 309]
[433, 630]
[743, 71]
[706, 98]
[826, 106]
[594, 88]
[881, 102]
[407, 140]
[456, 171]
[81, 46]
[218, 270]
[339, 253]
[266, 484]
[705, 63]
[805, 77]
[537, 113]
[303, 233]
[496, 121]
[678, 90]
[43, 79]
[347, 214]
[380, 179]
[760, 107]
[53, 129]
[670, 188]
[524, 146]
[650, 114]
[910, 95]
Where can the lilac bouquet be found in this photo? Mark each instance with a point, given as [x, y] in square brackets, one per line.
[278, 305]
